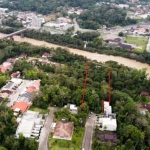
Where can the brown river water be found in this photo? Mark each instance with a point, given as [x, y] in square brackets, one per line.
[92, 56]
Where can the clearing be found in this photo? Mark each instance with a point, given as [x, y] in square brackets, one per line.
[74, 144]
[140, 42]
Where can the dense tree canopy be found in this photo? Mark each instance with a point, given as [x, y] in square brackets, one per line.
[63, 84]
[46, 6]
[104, 15]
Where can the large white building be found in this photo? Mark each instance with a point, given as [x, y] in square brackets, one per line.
[30, 124]
[107, 121]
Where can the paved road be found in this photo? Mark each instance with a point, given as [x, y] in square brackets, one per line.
[44, 137]
[87, 140]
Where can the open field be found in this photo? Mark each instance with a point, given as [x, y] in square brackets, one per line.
[74, 144]
[140, 42]
[41, 111]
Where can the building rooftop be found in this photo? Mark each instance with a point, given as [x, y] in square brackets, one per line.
[106, 137]
[23, 106]
[46, 54]
[15, 74]
[28, 122]
[11, 60]
[146, 106]
[144, 93]
[23, 55]
[63, 130]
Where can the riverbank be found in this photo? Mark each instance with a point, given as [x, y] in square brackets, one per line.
[89, 55]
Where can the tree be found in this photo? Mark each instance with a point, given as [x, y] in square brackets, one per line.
[120, 34]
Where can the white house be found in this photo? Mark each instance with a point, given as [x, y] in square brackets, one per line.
[72, 108]
[108, 124]
[30, 124]
[107, 108]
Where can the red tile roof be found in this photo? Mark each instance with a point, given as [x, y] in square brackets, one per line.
[46, 54]
[11, 60]
[23, 106]
[15, 74]
[3, 69]
[63, 130]
[34, 86]
[23, 55]
[144, 94]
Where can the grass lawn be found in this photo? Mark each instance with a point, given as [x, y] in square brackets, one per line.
[74, 144]
[140, 42]
[41, 111]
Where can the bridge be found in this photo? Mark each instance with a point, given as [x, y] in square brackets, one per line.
[21, 32]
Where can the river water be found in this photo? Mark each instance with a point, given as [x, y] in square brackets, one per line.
[92, 56]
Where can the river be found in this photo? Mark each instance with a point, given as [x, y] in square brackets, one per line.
[92, 56]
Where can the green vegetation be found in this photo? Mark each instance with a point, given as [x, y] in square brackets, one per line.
[41, 111]
[140, 42]
[64, 84]
[12, 22]
[74, 144]
[7, 130]
[78, 133]
[104, 15]
[46, 6]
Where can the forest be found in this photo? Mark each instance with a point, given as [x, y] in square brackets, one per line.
[63, 84]
[104, 15]
[46, 6]
[95, 44]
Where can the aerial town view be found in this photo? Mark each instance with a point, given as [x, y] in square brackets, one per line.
[74, 74]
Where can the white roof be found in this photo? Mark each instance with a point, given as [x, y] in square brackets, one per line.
[73, 107]
[6, 64]
[17, 109]
[106, 121]
[16, 80]
[25, 127]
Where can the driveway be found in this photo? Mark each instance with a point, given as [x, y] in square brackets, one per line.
[44, 137]
[89, 127]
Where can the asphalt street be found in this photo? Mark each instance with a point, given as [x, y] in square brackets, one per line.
[44, 137]
[89, 129]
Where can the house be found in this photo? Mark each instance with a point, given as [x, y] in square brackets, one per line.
[72, 108]
[107, 123]
[6, 66]
[146, 106]
[63, 130]
[107, 137]
[46, 55]
[12, 60]
[30, 124]
[15, 74]
[113, 41]
[144, 93]
[34, 86]
[125, 46]
[21, 56]
[20, 106]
